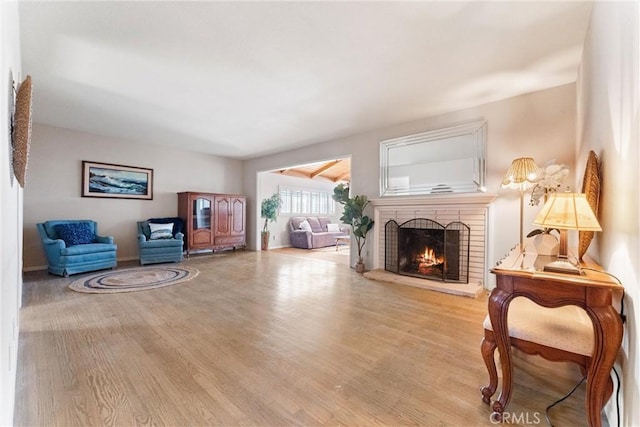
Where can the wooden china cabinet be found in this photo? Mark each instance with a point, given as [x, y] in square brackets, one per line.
[213, 221]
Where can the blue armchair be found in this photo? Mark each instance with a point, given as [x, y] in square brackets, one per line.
[160, 244]
[74, 246]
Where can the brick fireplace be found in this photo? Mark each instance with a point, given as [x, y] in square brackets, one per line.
[451, 226]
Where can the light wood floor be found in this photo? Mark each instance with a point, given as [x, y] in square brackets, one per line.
[340, 256]
[267, 339]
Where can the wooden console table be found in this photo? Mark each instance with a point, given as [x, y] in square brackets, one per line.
[521, 275]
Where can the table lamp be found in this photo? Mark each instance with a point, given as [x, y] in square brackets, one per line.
[520, 176]
[566, 211]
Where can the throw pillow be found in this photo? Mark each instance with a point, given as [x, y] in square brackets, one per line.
[75, 233]
[177, 223]
[160, 231]
[333, 228]
[304, 225]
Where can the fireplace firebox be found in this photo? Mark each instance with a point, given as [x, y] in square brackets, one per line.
[427, 249]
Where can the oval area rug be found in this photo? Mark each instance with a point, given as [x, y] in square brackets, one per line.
[133, 279]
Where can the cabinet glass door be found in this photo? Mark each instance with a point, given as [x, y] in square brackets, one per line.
[201, 213]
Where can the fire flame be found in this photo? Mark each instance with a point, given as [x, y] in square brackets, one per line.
[429, 257]
[428, 261]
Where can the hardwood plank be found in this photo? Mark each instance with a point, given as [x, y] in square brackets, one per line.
[266, 338]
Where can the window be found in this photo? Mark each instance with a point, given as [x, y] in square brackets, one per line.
[306, 202]
[303, 201]
[323, 202]
[285, 201]
[295, 201]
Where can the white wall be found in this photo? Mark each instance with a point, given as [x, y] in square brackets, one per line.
[10, 220]
[608, 122]
[269, 184]
[54, 185]
[540, 125]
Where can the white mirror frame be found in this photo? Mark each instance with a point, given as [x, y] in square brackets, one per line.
[473, 135]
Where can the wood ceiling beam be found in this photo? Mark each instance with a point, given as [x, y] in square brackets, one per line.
[323, 168]
[343, 177]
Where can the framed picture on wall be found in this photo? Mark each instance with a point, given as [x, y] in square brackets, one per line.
[116, 181]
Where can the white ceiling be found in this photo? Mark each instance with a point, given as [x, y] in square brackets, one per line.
[245, 79]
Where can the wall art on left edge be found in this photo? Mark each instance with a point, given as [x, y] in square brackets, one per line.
[116, 181]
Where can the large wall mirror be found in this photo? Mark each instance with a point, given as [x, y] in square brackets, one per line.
[447, 160]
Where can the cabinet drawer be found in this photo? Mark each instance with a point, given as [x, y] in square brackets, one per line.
[229, 240]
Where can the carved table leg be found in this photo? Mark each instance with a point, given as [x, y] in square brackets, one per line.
[498, 308]
[607, 329]
[488, 348]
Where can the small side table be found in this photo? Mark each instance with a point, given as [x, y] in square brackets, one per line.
[342, 239]
[519, 276]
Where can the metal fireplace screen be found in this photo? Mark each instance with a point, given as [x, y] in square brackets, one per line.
[427, 249]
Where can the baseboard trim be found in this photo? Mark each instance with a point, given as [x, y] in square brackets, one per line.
[279, 246]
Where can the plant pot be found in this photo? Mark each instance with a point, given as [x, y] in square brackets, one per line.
[266, 235]
[546, 244]
[359, 267]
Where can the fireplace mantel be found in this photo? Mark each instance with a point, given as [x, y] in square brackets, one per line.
[469, 208]
[478, 199]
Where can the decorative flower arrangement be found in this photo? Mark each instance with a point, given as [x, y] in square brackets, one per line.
[550, 179]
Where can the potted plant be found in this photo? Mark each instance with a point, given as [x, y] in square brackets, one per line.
[269, 212]
[353, 214]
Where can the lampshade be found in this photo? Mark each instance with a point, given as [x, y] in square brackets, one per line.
[567, 211]
[522, 173]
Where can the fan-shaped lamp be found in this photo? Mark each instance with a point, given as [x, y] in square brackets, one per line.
[521, 175]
